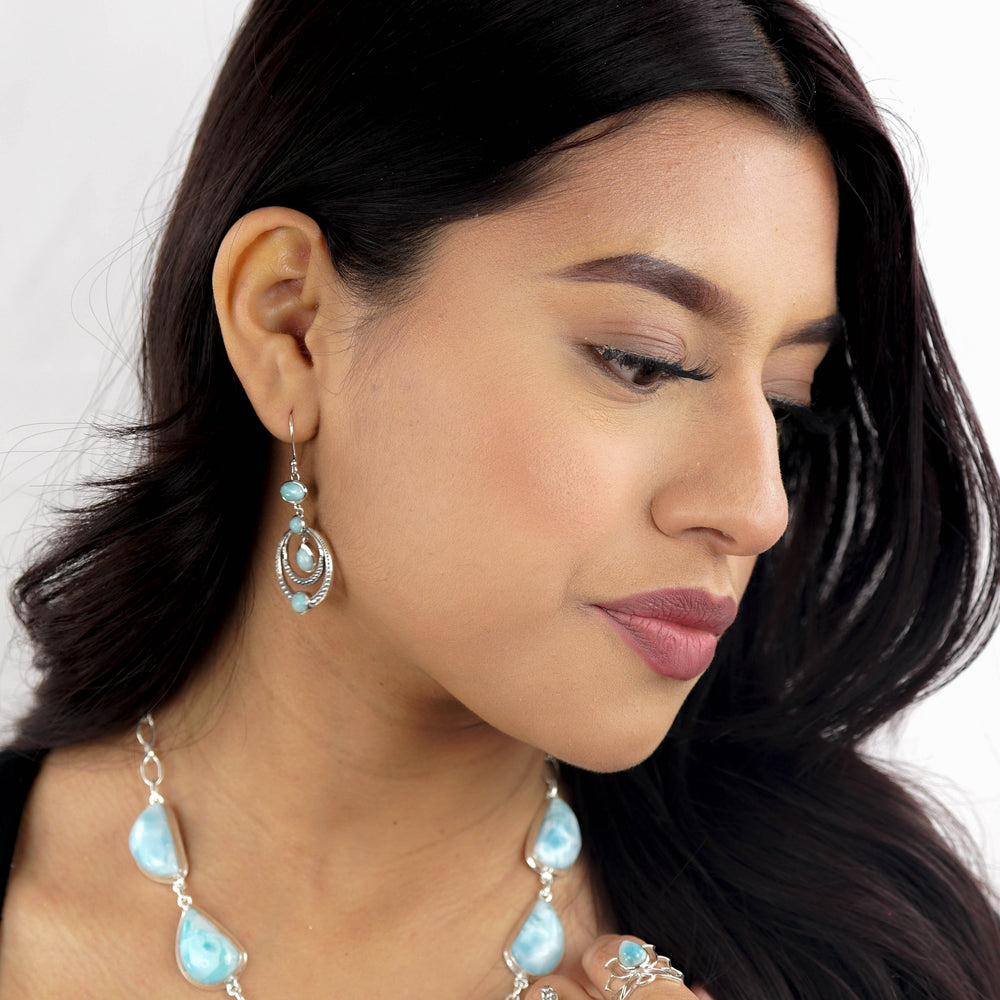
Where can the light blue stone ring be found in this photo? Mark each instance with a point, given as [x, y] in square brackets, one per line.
[637, 965]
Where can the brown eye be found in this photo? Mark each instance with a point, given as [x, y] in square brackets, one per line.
[640, 371]
[644, 372]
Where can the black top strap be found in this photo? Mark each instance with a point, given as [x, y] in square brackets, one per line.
[17, 774]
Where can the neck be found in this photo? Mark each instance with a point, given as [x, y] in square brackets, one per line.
[341, 798]
[318, 753]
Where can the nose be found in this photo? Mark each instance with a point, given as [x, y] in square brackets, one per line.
[722, 480]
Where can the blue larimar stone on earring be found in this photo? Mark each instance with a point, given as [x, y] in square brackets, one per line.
[538, 947]
[292, 491]
[296, 524]
[151, 842]
[305, 557]
[300, 602]
[205, 953]
[559, 841]
[631, 955]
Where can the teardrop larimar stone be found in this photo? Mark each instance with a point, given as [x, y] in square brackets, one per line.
[305, 557]
[153, 846]
[206, 954]
[558, 842]
[538, 947]
[631, 955]
[292, 491]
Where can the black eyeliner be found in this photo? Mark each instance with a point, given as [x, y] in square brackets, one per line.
[654, 366]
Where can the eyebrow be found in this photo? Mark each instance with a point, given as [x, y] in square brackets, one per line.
[692, 291]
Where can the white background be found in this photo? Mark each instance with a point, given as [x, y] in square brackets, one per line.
[98, 102]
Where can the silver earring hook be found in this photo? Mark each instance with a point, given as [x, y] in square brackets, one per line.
[291, 436]
[295, 458]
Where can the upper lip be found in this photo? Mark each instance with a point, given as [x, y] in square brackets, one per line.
[695, 609]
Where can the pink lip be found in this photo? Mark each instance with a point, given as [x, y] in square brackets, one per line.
[674, 631]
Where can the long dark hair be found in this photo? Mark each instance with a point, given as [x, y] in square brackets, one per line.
[757, 846]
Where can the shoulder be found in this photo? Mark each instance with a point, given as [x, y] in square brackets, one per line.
[63, 897]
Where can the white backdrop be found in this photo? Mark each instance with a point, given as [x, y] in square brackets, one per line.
[99, 102]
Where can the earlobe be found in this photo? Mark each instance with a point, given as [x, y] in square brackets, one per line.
[271, 273]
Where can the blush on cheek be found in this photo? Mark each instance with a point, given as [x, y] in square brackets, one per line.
[554, 465]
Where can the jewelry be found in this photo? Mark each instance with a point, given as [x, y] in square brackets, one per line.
[209, 956]
[638, 965]
[206, 953]
[315, 565]
[537, 948]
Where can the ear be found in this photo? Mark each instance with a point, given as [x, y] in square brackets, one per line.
[272, 276]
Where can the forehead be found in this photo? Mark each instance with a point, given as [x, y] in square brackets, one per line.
[695, 158]
[699, 181]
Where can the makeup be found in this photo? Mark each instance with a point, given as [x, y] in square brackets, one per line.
[674, 631]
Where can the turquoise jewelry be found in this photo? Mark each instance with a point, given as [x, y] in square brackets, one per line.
[316, 565]
[552, 846]
[638, 965]
[209, 956]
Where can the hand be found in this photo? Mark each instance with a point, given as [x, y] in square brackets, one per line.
[594, 958]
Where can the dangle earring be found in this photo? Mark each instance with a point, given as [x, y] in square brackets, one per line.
[315, 564]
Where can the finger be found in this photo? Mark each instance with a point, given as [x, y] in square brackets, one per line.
[617, 964]
[563, 987]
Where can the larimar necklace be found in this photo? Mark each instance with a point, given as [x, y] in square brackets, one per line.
[210, 957]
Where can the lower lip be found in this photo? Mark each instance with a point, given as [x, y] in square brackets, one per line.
[672, 650]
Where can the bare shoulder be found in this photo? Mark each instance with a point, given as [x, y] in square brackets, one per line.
[67, 927]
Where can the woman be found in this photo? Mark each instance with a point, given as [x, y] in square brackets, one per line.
[580, 325]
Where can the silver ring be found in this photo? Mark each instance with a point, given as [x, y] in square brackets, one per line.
[549, 994]
[629, 972]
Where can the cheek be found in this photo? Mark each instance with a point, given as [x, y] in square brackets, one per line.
[484, 493]
[556, 473]
[475, 519]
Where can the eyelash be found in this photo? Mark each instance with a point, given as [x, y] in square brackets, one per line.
[786, 409]
[659, 370]
[656, 370]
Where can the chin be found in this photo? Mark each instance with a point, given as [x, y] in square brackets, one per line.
[620, 751]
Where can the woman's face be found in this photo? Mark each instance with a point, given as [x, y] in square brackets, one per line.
[575, 408]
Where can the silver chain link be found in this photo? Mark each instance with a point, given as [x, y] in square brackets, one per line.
[546, 876]
[148, 743]
[520, 985]
[184, 901]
